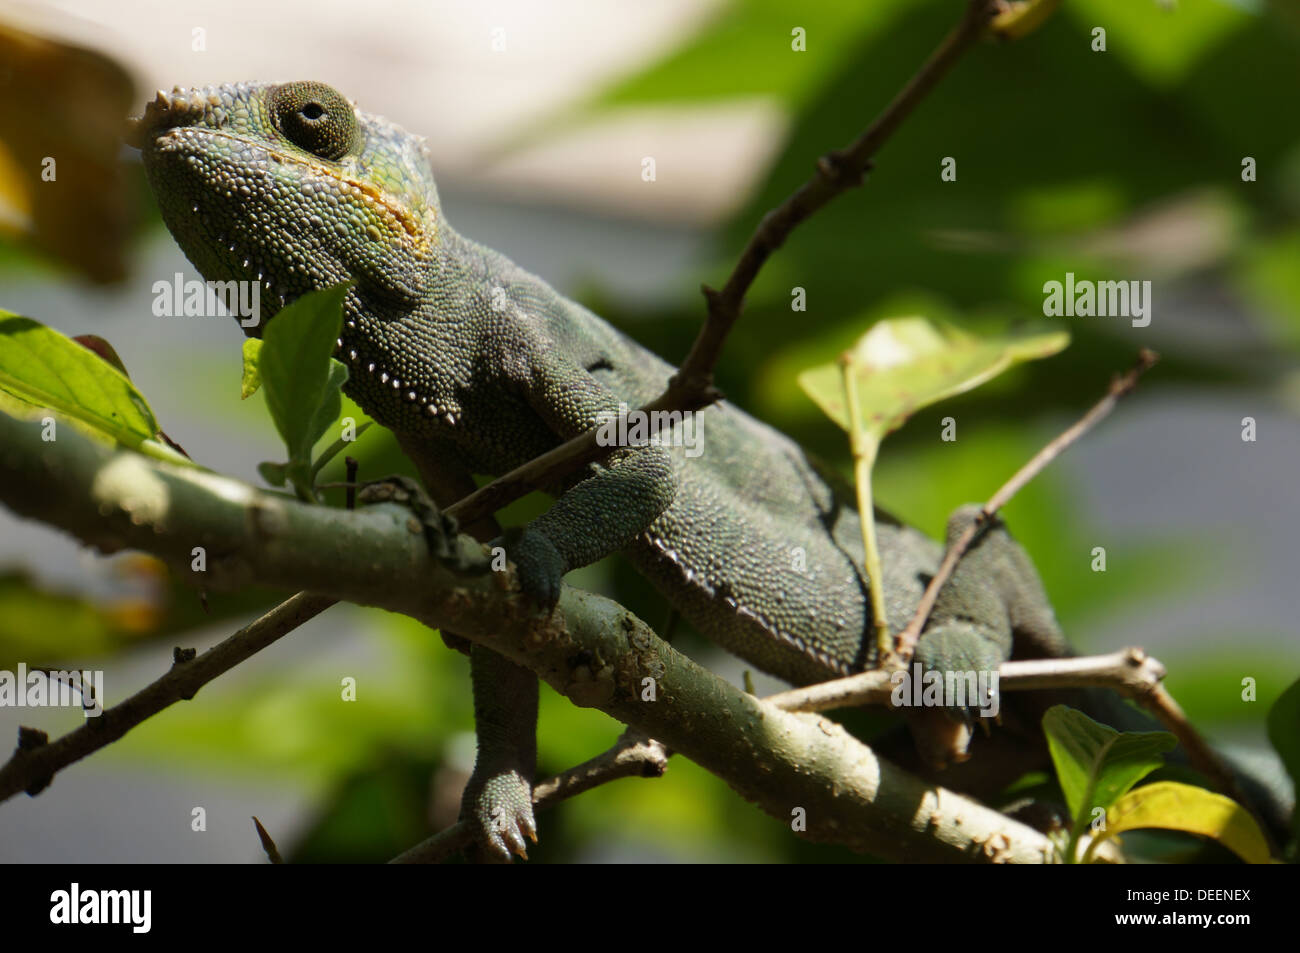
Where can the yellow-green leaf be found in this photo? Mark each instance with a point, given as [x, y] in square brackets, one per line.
[1022, 17]
[1171, 806]
[903, 364]
[252, 378]
[897, 367]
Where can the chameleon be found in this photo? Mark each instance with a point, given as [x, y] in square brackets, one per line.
[478, 366]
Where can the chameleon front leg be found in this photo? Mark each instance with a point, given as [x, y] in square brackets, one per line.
[598, 516]
[601, 514]
[498, 798]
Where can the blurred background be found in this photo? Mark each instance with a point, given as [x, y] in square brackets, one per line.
[1122, 164]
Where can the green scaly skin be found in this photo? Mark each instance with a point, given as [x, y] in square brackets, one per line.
[479, 366]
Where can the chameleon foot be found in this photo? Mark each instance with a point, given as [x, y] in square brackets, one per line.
[440, 530]
[500, 809]
[539, 565]
[968, 659]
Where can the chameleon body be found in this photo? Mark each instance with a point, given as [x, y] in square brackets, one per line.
[479, 366]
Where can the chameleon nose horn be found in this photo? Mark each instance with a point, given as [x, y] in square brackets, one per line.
[165, 111]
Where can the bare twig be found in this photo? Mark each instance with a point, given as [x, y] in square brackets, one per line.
[268, 844]
[837, 172]
[32, 768]
[691, 388]
[1131, 672]
[1119, 387]
[633, 755]
[865, 687]
[1199, 754]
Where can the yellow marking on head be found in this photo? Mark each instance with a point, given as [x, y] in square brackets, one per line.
[417, 225]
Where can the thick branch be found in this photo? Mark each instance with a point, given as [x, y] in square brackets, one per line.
[589, 648]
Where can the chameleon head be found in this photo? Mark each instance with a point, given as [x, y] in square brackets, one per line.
[289, 185]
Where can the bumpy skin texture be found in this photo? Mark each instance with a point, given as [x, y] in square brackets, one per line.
[479, 366]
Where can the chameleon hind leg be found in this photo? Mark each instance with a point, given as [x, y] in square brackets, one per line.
[993, 600]
[498, 798]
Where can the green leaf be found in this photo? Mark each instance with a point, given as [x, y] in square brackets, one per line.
[276, 474]
[328, 410]
[1096, 764]
[897, 367]
[252, 377]
[47, 369]
[903, 364]
[1162, 44]
[300, 378]
[106, 351]
[1171, 806]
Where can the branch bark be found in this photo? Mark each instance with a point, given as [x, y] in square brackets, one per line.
[172, 498]
[589, 649]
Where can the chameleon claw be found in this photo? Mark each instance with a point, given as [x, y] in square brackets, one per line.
[516, 842]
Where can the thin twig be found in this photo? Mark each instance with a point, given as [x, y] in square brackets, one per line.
[836, 172]
[691, 388]
[1131, 672]
[32, 767]
[1120, 386]
[633, 755]
[268, 844]
[867, 685]
[1199, 754]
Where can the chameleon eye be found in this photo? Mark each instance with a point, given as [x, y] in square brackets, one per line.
[314, 117]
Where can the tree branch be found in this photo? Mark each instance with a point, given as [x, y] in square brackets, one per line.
[691, 388]
[633, 755]
[1131, 672]
[589, 649]
[34, 765]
